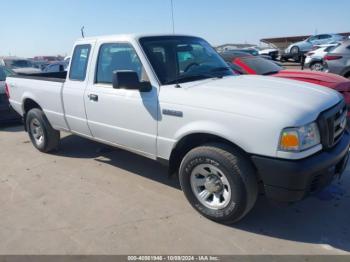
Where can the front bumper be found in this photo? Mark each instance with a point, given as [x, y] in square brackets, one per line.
[293, 180]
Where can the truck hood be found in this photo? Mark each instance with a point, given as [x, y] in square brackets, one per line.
[294, 103]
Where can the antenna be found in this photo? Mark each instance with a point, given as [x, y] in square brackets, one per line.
[82, 31]
[172, 15]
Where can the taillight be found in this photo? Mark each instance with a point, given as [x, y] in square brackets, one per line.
[332, 57]
[7, 90]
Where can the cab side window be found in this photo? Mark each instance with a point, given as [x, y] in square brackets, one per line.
[117, 56]
[80, 61]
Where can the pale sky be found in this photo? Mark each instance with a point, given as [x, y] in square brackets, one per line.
[41, 27]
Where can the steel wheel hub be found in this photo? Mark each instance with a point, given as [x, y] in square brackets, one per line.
[213, 184]
[210, 186]
[37, 131]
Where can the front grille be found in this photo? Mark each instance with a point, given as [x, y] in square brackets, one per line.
[332, 125]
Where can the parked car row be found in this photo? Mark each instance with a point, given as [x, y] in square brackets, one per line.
[27, 66]
[271, 53]
[297, 50]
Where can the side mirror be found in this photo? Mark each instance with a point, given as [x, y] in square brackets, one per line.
[126, 79]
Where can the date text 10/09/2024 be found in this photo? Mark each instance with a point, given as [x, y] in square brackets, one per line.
[173, 258]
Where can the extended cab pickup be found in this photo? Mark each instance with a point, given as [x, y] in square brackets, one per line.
[173, 99]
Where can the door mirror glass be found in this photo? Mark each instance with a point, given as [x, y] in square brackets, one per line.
[126, 79]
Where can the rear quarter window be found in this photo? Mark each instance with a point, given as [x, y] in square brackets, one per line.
[79, 62]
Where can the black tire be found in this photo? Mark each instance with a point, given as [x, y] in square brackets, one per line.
[295, 50]
[283, 59]
[317, 66]
[51, 137]
[237, 169]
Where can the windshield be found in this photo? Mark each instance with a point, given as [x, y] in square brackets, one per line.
[179, 59]
[18, 63]
[261, 66]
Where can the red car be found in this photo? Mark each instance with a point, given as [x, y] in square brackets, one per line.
[243, 63]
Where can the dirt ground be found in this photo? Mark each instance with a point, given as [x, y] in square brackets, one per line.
[88, 198]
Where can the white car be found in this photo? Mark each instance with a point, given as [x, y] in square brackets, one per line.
[314, 58]
[271, 52]
[172, 98]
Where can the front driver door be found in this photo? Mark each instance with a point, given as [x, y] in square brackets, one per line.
[127, 118]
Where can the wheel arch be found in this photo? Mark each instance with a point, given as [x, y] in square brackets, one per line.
[27, 105]
[192, 140]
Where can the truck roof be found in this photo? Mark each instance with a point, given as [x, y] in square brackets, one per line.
[125, 37]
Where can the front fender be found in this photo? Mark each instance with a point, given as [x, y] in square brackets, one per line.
[210, 128]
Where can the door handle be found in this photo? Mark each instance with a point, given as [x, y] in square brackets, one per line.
[93, 97]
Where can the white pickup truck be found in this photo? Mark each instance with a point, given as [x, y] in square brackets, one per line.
[173, 99]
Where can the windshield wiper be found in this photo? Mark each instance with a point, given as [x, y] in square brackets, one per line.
[184, 78]
[220, 69]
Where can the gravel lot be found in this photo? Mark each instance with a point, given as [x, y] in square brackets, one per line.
[91, 199]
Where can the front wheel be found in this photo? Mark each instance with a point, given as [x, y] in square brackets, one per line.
[294, 50]
[40, 131]
[219, 182]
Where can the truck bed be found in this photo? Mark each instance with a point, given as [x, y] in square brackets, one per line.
[43, 88]
[53, 77]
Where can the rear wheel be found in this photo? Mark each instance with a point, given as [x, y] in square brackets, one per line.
[295, 52]
[219, 182]
[40, 131]
[317, 66]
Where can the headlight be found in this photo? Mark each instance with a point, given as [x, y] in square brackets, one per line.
[300, 138]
